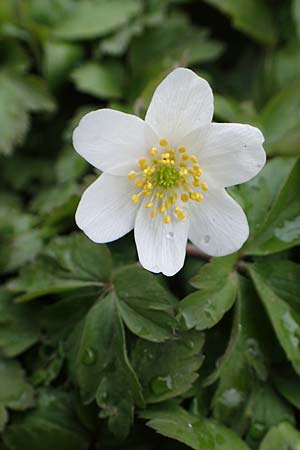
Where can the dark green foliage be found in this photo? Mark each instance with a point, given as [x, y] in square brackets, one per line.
[95, 352]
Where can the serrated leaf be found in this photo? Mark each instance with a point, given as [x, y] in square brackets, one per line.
[146, 307]
[15, 392]
[284, 317]
[243, 362]
[196, 432]
[94, 19]
[16, 317]
[268, 235]
[284, 436]
[103, 369]
[217, 282]
[169, 369]
[52, 423]
[69, 263]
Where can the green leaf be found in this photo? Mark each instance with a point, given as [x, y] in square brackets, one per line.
[296, 15]
[59, 59]
[217, 282]
[16, 317]
[104, 81]
[279, 120]
[94, 19]
[52, 423]
[279, 230]
[169, 369]
[243, 362]
[196, 432]
[15, 392]
[267, 409]
[19, 95]
[103, 369]
[145, 305]
[284, 436]
[252, 17]
[287, 383]
[69, 263]
[284, 317]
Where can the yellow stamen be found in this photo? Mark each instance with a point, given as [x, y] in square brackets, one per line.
[153, 214]
[184, 197]
[132, 174]
[194, 159]
[143, 163]
[153, 151]
[149, 205]
[167, 219]
[196, 183]
[135, 198]
[204, 187]
[182, 149]
[139, 183]
[185, 157]
[180, 214]
[163, 143]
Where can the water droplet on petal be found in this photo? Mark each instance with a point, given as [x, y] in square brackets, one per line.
[161, 385]
[170, 235]
[89, 357]
[206, 239]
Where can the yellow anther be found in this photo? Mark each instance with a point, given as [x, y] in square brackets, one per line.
[161, 209]
[171, 151]
[197, 170]
[185, 157]
[132, 175]
[153, 151]
[159, 195]
[183, 171]
[148, 185]
[139, 183]
[163, 143]
[194, 159]
[196, 196]
[167, 219]
[182, 149]
[204, 187]
[135, 198]
[153, 214]
[180, 214]
[143, 163]
[149, 205]
[165, 155]
[184, 197]
[196, 183]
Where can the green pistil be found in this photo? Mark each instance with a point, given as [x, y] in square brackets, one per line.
[166, 177]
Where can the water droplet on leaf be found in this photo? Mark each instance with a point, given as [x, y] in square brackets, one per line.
[89, 357]
[161, 385]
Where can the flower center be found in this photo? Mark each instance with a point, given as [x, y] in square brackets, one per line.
[166, 176]
[169, 178]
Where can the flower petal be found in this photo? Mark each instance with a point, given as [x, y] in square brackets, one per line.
[182, 102]
[161, 247]
[218, 225]
[105, 212]
[112, 141]
[228, 153]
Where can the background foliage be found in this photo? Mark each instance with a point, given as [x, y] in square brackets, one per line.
[96, 353]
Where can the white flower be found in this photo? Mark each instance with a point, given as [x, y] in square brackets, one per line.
[165, 176]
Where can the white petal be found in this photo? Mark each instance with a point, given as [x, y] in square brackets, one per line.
[112, 141]
[228, 153]
[218, 225]
[105, 212]
[181, 103]
[161, 247]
